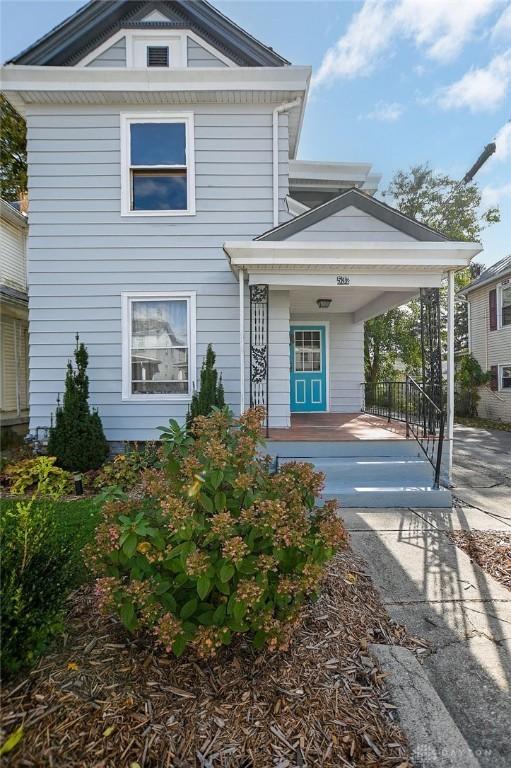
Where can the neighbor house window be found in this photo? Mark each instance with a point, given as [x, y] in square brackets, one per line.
[158, 346]
[505, 377]
[505, 304]
[157, 173]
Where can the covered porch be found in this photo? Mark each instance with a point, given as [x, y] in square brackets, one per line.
[338, 427]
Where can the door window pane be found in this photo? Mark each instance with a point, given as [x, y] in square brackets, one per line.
[307, 351]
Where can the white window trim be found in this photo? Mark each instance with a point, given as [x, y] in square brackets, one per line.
[169, 34]
[156, 117]
[500, 288]
[126, 301]
[501, 376]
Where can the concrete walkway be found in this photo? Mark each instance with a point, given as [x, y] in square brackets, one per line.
[431, 586]
[482, 469]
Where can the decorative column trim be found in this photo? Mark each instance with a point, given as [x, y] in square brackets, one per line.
[259, 348]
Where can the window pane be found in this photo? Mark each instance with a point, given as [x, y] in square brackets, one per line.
[158, 143]
[162, 366]
[506, 305]
[506, 377]
[160, 388]
[159, 191]
[159, 324]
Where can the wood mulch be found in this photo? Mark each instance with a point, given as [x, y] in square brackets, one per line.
[489, 549]
[106, 700]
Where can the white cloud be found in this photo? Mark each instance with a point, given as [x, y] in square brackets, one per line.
[503, 142]
[502, 29]
[385, 112]
[479, 89]
[491, 195]
[439, 27]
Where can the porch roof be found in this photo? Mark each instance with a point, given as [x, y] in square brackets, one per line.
[360, 256]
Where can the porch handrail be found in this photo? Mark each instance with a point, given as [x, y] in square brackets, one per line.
[408, 402]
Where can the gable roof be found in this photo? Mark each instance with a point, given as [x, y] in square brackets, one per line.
[98, 20]
[501, 269]
[369, 205]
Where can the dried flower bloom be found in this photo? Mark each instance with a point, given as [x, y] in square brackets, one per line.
[222, 524]
[234, 549]
[167, 630]
[197, 563]
[207, 641]
[250, 592]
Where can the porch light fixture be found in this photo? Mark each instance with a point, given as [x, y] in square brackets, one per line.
[323, 303]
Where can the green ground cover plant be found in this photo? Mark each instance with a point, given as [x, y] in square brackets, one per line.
[41, 540]
[220, 546]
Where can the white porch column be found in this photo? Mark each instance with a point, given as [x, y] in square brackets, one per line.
[450, 371]
[241, 278]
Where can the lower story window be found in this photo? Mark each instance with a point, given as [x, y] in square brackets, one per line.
[505, 376]
[158, 345]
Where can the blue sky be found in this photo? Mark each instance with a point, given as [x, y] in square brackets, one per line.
[397, 82]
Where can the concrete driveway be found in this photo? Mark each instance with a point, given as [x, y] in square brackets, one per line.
[482, 469]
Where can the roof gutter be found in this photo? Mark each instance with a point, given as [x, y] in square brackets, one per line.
[275, 154]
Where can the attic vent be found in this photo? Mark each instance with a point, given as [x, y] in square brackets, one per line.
[157, 56]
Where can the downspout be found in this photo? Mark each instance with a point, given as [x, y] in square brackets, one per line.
[275, 154]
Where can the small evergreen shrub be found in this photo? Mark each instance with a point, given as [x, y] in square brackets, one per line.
[28, 474]
[211, 390]
[77, 440]
[41, 541]
[220, 547]
[469, 376]
[126, 470]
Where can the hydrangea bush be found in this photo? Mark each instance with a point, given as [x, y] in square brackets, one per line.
[219, 546]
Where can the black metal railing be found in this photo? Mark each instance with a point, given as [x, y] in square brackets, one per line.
[421, 411]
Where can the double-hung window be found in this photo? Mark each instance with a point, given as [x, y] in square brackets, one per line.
[158, 346]
[505, 377]
[157, 165]
[504, 304]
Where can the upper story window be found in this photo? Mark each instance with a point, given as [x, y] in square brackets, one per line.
[157, 165]
[504, 304]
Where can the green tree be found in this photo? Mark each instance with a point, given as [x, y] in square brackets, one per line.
[211, 390]
[469, 376]
[13, 152]
[453, 209]
[77, 440]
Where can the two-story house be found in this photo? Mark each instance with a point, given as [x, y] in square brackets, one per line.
[489, 337]
[168, 209]
[13, 319]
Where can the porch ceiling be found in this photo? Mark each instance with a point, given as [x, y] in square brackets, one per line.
[354, 301]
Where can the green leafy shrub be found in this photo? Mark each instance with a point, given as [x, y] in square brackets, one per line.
[211, 390]
[220, 546]
[77, 439]
[41, 541]
[125, 471]
[469, 376]
[28, 474]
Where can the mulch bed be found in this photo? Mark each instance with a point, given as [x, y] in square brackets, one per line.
[489, 549]
[106, 700]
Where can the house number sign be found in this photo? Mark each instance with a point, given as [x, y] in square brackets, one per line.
[343, 280]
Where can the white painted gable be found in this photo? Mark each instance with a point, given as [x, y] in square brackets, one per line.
[155, 16]
[350, 224]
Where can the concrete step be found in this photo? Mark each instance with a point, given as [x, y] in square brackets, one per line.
[303, 450]
[374, 470]
[379, 481]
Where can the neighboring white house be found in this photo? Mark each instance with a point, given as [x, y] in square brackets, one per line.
[489, 339]
[168, 210]
[13, 318]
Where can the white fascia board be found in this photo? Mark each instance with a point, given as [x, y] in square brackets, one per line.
[422, 255]
[18, 79]
[311, 169]
[14, 217]
[392, 280]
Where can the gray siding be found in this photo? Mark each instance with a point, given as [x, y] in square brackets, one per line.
[351, 224]
[115, 56]
[82, 254]
[200, 57]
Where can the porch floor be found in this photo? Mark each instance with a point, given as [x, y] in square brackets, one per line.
[334, 427]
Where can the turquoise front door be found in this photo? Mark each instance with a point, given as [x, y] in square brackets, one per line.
[308, 368]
